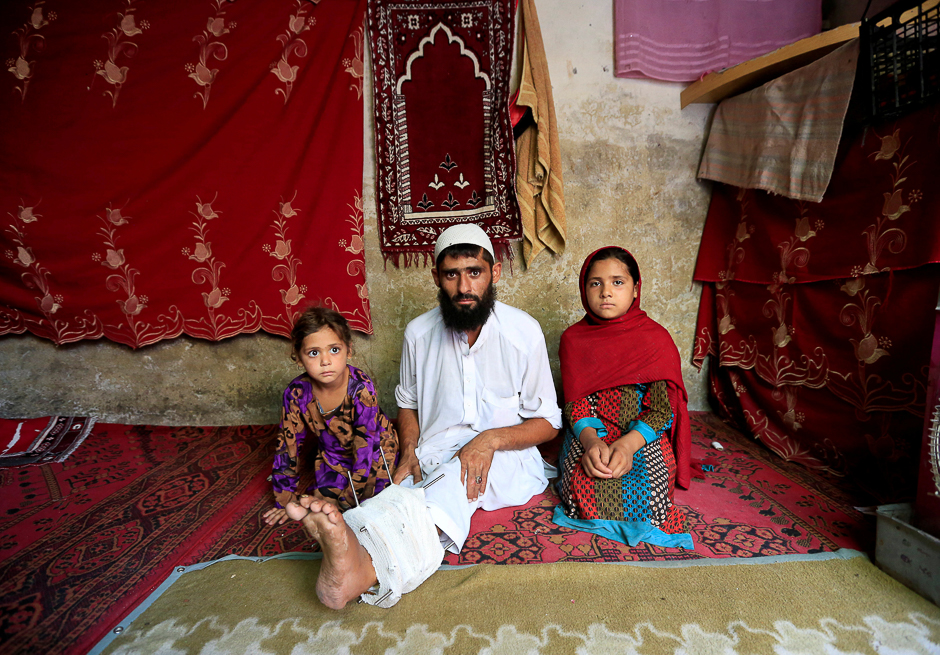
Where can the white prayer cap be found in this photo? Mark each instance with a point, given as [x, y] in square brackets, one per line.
[459, 234]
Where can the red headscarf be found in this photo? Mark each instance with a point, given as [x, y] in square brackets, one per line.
[599, 354]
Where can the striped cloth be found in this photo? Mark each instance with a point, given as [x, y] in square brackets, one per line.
[682, 40]
[783, 136]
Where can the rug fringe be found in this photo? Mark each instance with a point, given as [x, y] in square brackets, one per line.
[505, 252]
[425, 258]
[403, 259]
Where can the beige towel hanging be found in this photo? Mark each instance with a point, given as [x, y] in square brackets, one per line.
[539, 184]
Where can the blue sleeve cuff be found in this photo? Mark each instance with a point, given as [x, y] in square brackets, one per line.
[648, 434]
[589, 422]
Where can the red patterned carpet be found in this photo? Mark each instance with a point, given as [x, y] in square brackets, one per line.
[752, 504]
[83, 542]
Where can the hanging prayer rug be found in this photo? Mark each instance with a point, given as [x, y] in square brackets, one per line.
[443, 135]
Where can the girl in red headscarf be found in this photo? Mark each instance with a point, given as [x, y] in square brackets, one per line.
[625, 405]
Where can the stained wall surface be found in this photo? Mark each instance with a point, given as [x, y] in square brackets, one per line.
[629, 160]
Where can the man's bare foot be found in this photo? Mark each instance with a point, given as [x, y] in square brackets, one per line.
[346, 570]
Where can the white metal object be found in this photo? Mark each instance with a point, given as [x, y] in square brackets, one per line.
[933, 449]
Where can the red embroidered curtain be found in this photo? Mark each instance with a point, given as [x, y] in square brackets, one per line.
[820, 315]
[180, 167]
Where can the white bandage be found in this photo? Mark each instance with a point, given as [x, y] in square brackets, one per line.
[396, 530]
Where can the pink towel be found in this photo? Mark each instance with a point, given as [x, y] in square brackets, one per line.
[680, 40]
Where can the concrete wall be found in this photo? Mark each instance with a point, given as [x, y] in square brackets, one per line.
[629, 159]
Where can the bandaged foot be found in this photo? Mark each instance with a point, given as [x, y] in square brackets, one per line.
[396, 529]
[346, 570]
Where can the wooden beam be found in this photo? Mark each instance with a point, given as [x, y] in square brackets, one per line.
[750, 74]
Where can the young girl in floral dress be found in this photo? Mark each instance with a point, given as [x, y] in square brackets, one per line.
[625, 405]
[332, 408]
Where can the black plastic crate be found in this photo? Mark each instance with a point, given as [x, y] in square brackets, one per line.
[903, 46]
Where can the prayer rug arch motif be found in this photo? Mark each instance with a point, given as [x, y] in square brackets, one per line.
[444, 147]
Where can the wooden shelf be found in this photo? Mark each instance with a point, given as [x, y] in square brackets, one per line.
[750, 74]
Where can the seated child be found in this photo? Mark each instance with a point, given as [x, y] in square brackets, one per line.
[626, 412]
[335, 404]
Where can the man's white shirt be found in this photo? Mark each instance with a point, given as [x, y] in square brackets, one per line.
[459, 391]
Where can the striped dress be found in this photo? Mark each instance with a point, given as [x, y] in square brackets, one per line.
[637, 506]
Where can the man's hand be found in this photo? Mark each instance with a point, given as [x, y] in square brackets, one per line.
[407, 465]
[475, 460]
[476, 456]
[408, 432]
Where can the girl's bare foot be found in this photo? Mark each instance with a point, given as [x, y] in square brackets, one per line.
[346, 570]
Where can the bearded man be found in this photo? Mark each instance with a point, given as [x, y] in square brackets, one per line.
[475, 398]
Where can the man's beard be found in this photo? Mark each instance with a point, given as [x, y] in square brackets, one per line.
[464, 320]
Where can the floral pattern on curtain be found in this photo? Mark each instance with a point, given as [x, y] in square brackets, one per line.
[180, 167]
[819, 317]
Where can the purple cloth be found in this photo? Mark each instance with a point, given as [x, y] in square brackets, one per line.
[681, 40]
[347, 440]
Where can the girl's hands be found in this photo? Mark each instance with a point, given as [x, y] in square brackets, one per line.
[596, 458]
[275, 516]
[613, 461]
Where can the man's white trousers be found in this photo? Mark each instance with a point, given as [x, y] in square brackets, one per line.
[514, 477]
[399, 527]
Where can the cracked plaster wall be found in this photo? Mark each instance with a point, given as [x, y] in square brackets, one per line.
[629, 159]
